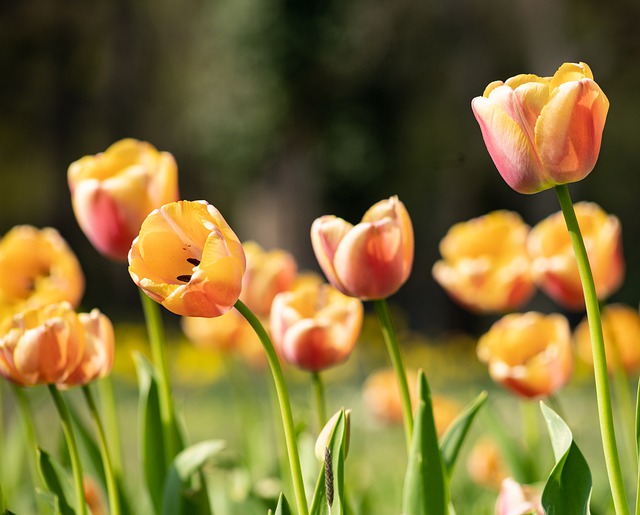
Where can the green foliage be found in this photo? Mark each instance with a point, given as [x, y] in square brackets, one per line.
[58, 482]
[282, 507]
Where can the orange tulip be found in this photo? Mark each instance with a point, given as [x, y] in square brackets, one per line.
[267, 274]
[371, 260]
[37, 268]
[543, 131]
[113, 191]
[315, 326]
[485, 264]
[554, 265]
[621, 331]
[528, 353]
[187, 258]
[381, 395]
[485, 465]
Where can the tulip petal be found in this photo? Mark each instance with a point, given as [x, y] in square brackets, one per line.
[326, 234]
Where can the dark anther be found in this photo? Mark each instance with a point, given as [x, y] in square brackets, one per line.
[193, 261]
[184, 278]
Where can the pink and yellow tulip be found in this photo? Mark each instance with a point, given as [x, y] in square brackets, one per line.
[113, 191]
[188, 259]
[543, 131]
[370, 260]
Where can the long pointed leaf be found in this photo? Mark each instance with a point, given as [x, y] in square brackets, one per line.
[426, 490]
[568, 488]
[58, 481]
[452, 441]
[282, 507]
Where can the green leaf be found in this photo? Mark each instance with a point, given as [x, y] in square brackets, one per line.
[58, 481]
[426, 489]
[568, 488]
[638, 423]
[332, 474]
[184, 473]
[282, 508]
[452, 440]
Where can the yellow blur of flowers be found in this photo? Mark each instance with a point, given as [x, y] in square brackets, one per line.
[528, 353]
[485, 264]
[37, 268]
[553, 263]
[485, 464]
[314, 326]
[543, 131]
[113, 191]
[188, 259]
[55, 345]
[621, 331]
[370, 260]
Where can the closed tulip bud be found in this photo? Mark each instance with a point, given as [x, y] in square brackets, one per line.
[113, 191]
[324, 437]
[188, 259]
[41, 346]
[621, 331]
[553, 263]
[370, 260]
[315, 326]
[37, 268]
[528, 353]
[485, 265]
[543, 131]
[267, 274]
[517, 499]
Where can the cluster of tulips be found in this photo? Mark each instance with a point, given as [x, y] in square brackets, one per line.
[541, 133]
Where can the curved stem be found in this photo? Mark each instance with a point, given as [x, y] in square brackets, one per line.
[603, 394]
[67, 429]
[155, 328]
[285, 407]
[112, 491]
[389, 335]
[318, 391]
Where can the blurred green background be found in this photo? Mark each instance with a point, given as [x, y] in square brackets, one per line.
[281, 111]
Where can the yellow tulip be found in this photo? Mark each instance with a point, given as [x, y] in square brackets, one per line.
[553, 262]
[188, 259]
[370, 260]
[543, 131]
[528, 353]
[485, 265]
[113, 191]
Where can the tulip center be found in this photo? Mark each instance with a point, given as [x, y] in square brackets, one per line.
[185, 278]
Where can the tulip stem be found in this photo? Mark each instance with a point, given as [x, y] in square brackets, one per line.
[318, 391]
[389, 335]
[112, 490]
[29, 432]
[108, 403]
[285, 407]
[67, 429]
[603, 394]
[157, 340]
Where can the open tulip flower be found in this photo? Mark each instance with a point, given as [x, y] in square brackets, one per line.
[188, 259]
[621, 328]
[113, 191]
[485, 265]
[37, 268]
[543, 131]
[315, 326]
[370, 260]
[553, 262]
[528, 353]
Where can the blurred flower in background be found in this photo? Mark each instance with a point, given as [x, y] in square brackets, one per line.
[517, 499]
[485, 266]
[381, 394]
[485, 464]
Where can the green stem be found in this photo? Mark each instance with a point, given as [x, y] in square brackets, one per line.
[637, 426]
[603, 394]
[318, 393]
[389, 335]
[531, 434]
[29, 432]
[109, 413]
[112, 490]
[285, 407]
[155, 329]
[67, 429]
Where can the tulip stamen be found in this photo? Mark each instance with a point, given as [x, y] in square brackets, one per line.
[193, 261]
[184, 278]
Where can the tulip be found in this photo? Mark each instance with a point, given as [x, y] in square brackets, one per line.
[42, 346]
[188, 259]
[381, 395]
[621, 329]
[529, 353]
[324, 438]
[267, 274]
[543, 131]
[485, 264]
[315, 326]
[370, 260]
[553, 262]
[113, 191]
[485, 465]
[517, 499]
[37, 268]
